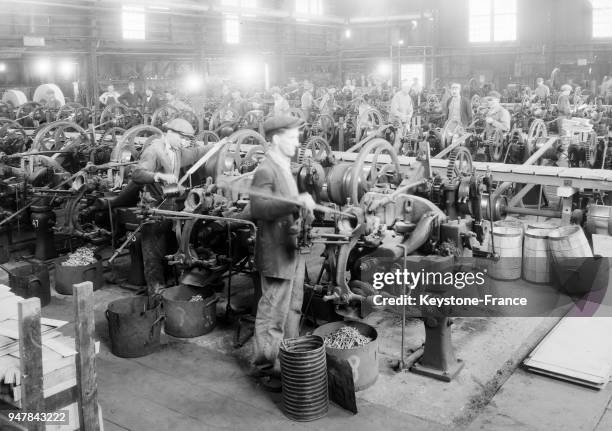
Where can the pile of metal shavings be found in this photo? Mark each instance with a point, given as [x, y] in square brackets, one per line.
[346, 337]
[196, 298]
[82, 256]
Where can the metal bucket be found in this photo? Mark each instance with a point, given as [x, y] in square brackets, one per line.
[66, 276]
[304, 378]
[185, 319]
[31, 281]
[509, 247]
[134, 328]
[363, 359]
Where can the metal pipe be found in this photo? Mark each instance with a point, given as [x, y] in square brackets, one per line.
[534, 212]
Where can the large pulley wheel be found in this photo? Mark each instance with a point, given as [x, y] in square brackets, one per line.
[224, 115]
[129, 147]
[162, 115]
[365, 175]
[115, 115]
[67, 111]
[52, 137]
[451, 129]
[371, 119]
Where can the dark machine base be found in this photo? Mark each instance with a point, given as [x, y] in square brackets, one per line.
[443, 375]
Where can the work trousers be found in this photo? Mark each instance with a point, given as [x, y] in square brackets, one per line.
[156, 240]
[278, 317]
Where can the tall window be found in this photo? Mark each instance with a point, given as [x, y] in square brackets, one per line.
[309, 7]
[232, 29]
[492, 20]
[602, 18]
[133, 22]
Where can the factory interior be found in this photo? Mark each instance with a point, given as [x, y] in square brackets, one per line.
[305, 215]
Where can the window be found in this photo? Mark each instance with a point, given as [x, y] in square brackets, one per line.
[133, 22]
[232, 29]
[602, 18]
[309, 7]
[492, 20]
[410, 71]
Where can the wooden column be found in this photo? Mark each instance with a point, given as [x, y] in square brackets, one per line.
[86, 356]
[33, 400]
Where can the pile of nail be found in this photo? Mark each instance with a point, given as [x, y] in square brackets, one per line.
[82, 256]
[346, 337]
[196, 298]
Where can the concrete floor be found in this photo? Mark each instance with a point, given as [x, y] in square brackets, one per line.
[204, 384]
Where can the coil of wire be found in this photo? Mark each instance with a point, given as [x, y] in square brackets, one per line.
[304, 378]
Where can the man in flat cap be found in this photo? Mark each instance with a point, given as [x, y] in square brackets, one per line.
[564, 107]
[498, 117]
[161, 163]
[276, 253]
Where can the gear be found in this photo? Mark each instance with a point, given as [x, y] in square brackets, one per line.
[459, 163]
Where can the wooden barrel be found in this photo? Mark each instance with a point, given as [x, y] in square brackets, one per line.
[540, 226]
[510, 223]
[568, 242]
[536, 257]
[508, 243]
[599, 220]
[569, 250]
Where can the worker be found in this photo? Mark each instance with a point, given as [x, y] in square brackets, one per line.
[328, 102]
[457, 108]
[160, 163]
[151, 101]
[541, 92]
[276, 255]
[348, 89]
[109, 97]
[131, 98]
[401, 106]
[307, 100]
[498, 117]
[51, 102]
[238, 103]
[564, 106]
[281, 106]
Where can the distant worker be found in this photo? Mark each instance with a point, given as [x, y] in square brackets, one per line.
[328, 102]
[564, 106]
[457, 108]
[281, 106]
[238, 103]
[307, 101]
[401, 106]
[542, 92]
[151, 101]
[109, 97]
[131, 98]
[51, 102]
[498, 117]
[416, 92]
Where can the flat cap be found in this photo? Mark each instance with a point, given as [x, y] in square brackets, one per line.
[494, 95]
[180, 126]
[282, 122]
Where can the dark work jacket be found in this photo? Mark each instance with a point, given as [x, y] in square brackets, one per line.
[275, 253]
[465, 107]
[154, 159]
[151, 106]
[130, 100]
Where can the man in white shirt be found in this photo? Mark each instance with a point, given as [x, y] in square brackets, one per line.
[110, 96]
[401, 106]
